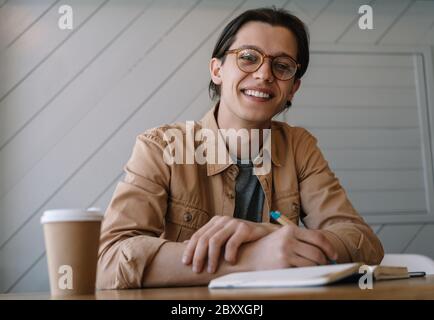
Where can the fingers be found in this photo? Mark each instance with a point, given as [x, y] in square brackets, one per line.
[221, 232]
[241, 236]
[216, 243]
[299, 261]
[206, 245]
[233, 234]
[187, 257]
[310, 252]
[202, 248]
[317, 239]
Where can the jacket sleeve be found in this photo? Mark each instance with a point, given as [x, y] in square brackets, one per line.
[134, 219]
[325, 206]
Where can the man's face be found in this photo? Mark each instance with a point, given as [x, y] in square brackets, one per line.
[236, 94]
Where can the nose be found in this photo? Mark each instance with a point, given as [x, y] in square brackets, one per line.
[264, 72]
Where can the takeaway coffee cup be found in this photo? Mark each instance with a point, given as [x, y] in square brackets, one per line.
[71, 241]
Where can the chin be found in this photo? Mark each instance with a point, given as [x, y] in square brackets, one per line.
[255, 116]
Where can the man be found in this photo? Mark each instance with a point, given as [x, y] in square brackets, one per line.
[172, 224]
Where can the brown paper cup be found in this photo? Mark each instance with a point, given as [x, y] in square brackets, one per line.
[72, 241]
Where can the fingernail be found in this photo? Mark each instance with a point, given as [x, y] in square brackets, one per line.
[184, 259]
[210, 269]
[195, 269]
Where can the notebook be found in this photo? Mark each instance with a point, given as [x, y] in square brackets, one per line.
[305, 276]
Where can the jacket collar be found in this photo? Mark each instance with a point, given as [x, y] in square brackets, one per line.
[209, 122]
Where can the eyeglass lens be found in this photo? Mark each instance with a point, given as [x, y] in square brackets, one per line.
[250, 60]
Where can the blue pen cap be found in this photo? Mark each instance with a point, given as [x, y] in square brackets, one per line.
[275, 214]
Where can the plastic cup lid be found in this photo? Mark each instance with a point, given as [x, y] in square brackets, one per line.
[60, 215]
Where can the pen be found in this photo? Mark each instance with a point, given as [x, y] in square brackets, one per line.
[276, 215]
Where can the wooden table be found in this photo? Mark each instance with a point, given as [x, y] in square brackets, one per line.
[414, 288]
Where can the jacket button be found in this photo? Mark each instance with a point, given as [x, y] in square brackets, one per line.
[188, 217]
[231, 195]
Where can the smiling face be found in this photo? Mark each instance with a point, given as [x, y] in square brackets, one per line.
[252, 99]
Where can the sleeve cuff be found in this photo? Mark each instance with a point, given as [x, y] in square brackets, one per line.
[135, 255]
[338, 244]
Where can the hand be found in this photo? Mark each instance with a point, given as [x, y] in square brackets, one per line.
[290, 246]
[221, 232]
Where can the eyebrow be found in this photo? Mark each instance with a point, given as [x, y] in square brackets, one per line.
[278, 54]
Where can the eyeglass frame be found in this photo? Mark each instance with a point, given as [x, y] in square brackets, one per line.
[263, 55]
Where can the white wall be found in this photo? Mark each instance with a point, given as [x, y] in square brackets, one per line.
[72, 102]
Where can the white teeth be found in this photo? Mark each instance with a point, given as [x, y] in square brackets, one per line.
[257, 93]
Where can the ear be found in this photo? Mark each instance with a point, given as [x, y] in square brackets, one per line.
[214, 69]
[294, 89]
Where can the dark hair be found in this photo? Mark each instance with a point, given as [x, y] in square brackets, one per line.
[273, 16]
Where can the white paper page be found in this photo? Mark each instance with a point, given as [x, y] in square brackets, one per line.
[291, 277]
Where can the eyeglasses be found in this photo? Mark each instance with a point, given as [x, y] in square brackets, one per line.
[250, 60]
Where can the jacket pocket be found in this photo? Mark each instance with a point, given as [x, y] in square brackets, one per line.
[182, 221]
[288, 203]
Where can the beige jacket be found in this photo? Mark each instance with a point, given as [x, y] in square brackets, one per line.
[157, 202]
